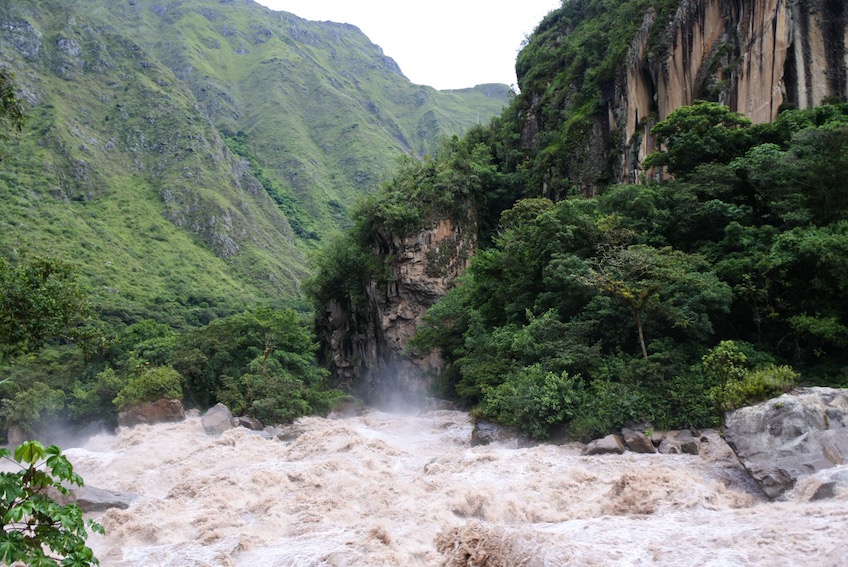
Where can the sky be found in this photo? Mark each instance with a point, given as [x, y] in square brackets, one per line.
[446, 44]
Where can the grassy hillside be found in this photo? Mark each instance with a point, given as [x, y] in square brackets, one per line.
[118, 172]
[320, 108]
[185, 154]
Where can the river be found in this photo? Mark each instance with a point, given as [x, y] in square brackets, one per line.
[405, 490]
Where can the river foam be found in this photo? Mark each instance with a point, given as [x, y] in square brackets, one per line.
[398, 490]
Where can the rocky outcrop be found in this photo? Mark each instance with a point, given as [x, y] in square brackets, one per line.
[152, 412]
[789, 437]
[364, 344]
[752, 56]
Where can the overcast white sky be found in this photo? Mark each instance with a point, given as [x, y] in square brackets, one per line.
[447, 44]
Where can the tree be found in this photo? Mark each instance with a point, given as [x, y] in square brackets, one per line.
[40, 300]
[37, 530]
[663, 282]
[705, 132]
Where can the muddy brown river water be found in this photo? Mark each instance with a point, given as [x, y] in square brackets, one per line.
[405, 490]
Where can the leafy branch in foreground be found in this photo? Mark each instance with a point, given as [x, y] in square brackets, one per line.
[36, 529]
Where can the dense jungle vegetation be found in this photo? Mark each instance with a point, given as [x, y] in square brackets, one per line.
[665, 302]
[669, 302]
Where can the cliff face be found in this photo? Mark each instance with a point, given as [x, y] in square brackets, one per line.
[753, 56]
[364, 345]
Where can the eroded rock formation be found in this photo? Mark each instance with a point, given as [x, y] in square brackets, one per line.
[364, 344]
[753, 56]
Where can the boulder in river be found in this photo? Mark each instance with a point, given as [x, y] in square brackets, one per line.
[682, 441]
[91, 499]
[250, 423]
[611, 444]
[218, 419]
[160, 411]
[789, 437]
[486, 432]
[637, 441]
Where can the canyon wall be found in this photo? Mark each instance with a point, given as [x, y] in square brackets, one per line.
[754, 56]
[364, 345]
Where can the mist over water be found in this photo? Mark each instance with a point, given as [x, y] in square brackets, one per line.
[396, 490]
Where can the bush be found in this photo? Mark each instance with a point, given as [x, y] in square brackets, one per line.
[533, 400]
[149, 386]
[608, 406]
[30, 406]
[755, 386]
[93, 400]
[273, 394]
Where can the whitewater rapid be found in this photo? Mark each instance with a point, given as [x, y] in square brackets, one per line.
[403, 490]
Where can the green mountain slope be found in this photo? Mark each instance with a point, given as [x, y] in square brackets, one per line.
[171, 147]
[319, 106]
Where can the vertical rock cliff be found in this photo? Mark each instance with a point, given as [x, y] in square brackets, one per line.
[363, 345]
[754, 56]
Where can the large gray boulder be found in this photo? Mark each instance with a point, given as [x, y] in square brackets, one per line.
[217, 419]
[91, 499]
[160, 411]
[612, 444]
[789, 437]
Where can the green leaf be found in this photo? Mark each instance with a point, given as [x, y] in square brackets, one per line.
[29, 452]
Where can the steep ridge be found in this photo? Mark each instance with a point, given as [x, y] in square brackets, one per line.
[185, 154]
[322, 109]
[755, 57]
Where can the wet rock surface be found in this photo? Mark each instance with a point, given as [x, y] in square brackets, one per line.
[486, 432]
[217, 420]
[786, 438]
[91, 499]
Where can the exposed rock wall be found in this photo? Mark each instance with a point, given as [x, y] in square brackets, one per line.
[754, 56]
[364, 344]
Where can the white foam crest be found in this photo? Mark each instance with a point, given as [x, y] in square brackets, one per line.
[384, 489]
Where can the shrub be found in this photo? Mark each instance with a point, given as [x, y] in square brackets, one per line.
[149, 386]
[754, 386]
[533, 400]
